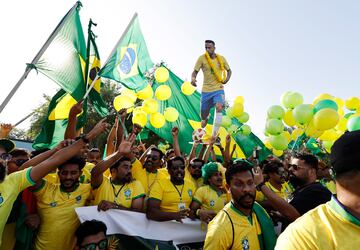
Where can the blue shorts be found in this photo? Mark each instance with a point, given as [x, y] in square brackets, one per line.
[209, 100]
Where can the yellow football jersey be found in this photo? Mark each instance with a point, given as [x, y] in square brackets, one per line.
[120, 194]
[210, 199]
[328, 226]
[173, 197]
[9, 190]
[220, 233]
[56, 209]
[284, 193]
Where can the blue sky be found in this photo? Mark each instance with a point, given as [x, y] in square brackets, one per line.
[272, 46]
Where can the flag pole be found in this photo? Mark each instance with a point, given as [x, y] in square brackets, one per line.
[112, 52]
[37, 57]
[23, 119]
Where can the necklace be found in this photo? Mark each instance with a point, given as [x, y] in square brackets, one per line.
[219, 76]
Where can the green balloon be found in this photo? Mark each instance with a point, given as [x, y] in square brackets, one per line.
[244, 117]
[232, 129]
[230, 112]
[303, 113]
[274, 127]
[276, 112]
[226, 121]
[353, 123]
[323, 104]
[279, 142]
[245, 129]
[291, 99]
[348, 114]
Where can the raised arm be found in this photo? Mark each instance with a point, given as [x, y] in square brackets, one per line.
[120, 128]
[208, 150]
[70, 132]
[227, 150]
[192, 154]
[123, 150]
[43, 168]
[111, 140]
[175, 136]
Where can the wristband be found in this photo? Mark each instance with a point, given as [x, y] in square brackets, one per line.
[258, 187]
[197, 212]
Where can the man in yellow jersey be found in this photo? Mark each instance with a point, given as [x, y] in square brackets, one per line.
[274, 169]
[216, 72]
[148, 173]
[211, 198]
[193, 172]
[336, 224]
[119, 191]
[12, 185]
[242, 223]
[170, 197]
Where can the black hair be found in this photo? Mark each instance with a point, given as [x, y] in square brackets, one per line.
[309, 159]
[170, 162]
[74, 160]
[237, 167]
[2, 172]
[197, 160]
[272, 166]
[87, 228]
[19, 152]
[117, 163]
[210, 41]
[38, 151]
[159, 151]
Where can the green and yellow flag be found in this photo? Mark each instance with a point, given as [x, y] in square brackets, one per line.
[130, 59]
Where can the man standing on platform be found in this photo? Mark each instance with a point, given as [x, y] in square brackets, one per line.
[216, 72]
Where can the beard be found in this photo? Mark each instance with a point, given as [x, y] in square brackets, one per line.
[296, 181]
[196, 175]
[241, 201]
[3, 172]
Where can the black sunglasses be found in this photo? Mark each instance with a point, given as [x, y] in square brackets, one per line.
[19, 162]
[153, 157]
[6, 156]
[92, 246]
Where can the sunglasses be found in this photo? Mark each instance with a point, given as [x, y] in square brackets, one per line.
[295, 167]
[153, 157]
[92, 246]
[178, 167]
[6, 156]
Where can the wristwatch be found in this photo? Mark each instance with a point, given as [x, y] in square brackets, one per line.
[258, 187]
[84, 139]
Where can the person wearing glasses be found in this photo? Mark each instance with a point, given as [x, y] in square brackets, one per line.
[170, 197]
[211, 198]
[194, 172]
[308, 192]
[120, 191]
[335, 224]
[91, 235]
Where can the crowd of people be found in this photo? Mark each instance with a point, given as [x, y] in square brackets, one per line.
[276, 203]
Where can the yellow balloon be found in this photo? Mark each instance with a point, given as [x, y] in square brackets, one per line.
[122, 101]
[267, 144]
[352, 103]
[296, 133]
[239, 99]
[237, 109]
[187, 88]
[329, 135]
[129, 93]
[277, 153]
[342, 124]
[289, 118]
[163, 92]
[157, 120]
[145, 93]
[322, 97]
[161, 74]
[138, 109]
[311, 131]
[326, 119]
[171, 114]
[287, 135]
[139, 117]
[341, 112]
[150, 106]
[340, 102]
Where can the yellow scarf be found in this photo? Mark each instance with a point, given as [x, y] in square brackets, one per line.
[219, 76]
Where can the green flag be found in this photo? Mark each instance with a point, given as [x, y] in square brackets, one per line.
[130, 59]
[93, 68]
[63, 60]
[189, 120]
